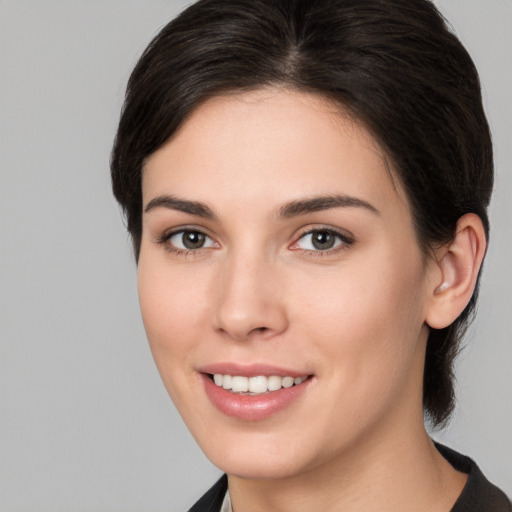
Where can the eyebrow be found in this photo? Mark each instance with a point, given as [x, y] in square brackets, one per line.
[316, 204]
[182, 205]
[291, 209]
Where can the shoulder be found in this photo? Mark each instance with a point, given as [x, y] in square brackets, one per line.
[478, 495]
[211, 501]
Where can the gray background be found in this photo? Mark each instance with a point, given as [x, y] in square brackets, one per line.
[85, 424]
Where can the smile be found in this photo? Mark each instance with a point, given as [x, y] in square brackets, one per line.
[257, 385]
[258, 394]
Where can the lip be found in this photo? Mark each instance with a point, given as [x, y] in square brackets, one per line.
[251, 407]
[250, 370]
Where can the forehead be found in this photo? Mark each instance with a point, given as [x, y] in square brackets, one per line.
[270, 143]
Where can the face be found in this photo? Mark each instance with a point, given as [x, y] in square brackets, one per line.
[281, 285]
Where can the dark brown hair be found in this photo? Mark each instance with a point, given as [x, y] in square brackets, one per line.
[394, 65]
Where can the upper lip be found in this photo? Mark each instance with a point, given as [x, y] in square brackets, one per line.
[250, 370]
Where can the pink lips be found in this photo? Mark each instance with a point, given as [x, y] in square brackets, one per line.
[251, 407]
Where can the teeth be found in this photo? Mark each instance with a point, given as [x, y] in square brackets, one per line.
[274, 383]
[226, 381]
[239, 384]
[258, 384]
[255, 385]
[287, 382]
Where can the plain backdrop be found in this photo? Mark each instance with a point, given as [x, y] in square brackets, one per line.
[85, 423]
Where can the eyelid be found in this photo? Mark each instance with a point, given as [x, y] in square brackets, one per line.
[166, 236]
[346, 238]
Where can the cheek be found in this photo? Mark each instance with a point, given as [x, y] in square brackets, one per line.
[170, 305]
[366, 324]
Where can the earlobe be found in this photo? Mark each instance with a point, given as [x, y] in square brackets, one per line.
[459, 263]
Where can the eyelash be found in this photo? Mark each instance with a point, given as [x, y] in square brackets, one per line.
[344, 240]
[166, 237]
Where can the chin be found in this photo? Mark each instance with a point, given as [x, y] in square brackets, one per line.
[265, 468]
[260, 455]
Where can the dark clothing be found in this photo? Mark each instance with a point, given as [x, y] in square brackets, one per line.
[212, 500]
[478, 495]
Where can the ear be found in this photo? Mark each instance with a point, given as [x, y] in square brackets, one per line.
[456, 271]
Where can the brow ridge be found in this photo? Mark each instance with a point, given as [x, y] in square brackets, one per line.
[182, 205]
[316, 204]
[291, 209]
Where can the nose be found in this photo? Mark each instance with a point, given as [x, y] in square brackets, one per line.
[250, 300]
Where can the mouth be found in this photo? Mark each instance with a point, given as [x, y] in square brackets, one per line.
[257, 385]
[254, 392]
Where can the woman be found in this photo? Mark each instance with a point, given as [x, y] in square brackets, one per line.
[306, 185]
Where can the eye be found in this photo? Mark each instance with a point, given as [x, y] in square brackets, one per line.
[189, 240]
[321, 240]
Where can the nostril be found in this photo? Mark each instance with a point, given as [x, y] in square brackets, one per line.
[258, 331]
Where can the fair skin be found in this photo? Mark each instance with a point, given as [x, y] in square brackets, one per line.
[238, 267]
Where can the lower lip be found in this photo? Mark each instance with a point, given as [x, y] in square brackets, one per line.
[252, 407]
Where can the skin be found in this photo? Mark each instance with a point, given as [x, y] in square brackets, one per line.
[354, 317]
